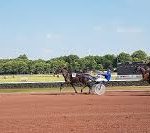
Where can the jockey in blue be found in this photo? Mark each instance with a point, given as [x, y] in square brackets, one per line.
[107, 75]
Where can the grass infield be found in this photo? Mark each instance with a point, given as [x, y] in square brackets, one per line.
[69, 89]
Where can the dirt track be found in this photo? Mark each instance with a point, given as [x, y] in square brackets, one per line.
[115, 112]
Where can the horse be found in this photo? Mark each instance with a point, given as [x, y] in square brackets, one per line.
[85, 80]
[145, 73]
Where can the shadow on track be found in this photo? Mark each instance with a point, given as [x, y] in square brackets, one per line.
[59, 94]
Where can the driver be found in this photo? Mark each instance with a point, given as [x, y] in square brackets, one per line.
[106, 75]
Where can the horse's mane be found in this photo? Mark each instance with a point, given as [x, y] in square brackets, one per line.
[67, 74]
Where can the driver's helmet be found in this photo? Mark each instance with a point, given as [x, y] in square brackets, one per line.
[108, 71]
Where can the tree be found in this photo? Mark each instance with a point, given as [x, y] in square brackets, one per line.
[23, 57]
[123, 57]
[72, 62]
[99, 67]
[108, 61]
[98, 59]
[7, 67]
[71, 58]
[147, 60]
[57, 63]
[107, 64]
[90, 62]
[21, 64]
[139, 56]
[19, 67]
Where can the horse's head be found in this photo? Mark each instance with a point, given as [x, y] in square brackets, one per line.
[59, 70]
[141, 70]
[145, 74]
[64, 71]
[148, 64]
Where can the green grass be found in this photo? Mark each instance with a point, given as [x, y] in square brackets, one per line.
[49, 90]
[28, 90]
[30, 78]
[69, 89]
[33, 78]
[144, 88]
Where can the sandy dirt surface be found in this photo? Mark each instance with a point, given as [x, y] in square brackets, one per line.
[114, 112]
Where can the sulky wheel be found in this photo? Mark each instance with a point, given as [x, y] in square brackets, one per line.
[99, 89]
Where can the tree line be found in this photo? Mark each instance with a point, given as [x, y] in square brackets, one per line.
[23, 65]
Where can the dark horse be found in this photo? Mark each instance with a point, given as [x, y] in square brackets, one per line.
[85, 80]
[145, 73]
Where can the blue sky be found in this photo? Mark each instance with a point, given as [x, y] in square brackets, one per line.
[52, 28]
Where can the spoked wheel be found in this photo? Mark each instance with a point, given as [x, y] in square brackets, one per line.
[99, 89]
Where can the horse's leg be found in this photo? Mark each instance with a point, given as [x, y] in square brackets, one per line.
[83, 88]
[149, 78]
[74, 87]
[62, 85]
[90, 88]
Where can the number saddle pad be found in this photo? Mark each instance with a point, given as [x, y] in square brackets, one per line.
[74, 74]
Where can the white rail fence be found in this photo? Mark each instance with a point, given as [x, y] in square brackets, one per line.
[127, 77]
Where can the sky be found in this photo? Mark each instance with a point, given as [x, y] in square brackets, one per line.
[45, 29]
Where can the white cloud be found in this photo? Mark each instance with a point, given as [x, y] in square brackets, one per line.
[47, 50]
[53, 36]
[97, 28]
[49, 36]
[128, 30]
[118, 29]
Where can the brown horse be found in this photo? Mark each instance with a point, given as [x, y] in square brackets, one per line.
[145, 73]
[73, 79]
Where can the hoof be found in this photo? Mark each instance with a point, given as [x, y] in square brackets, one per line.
[89, 92]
